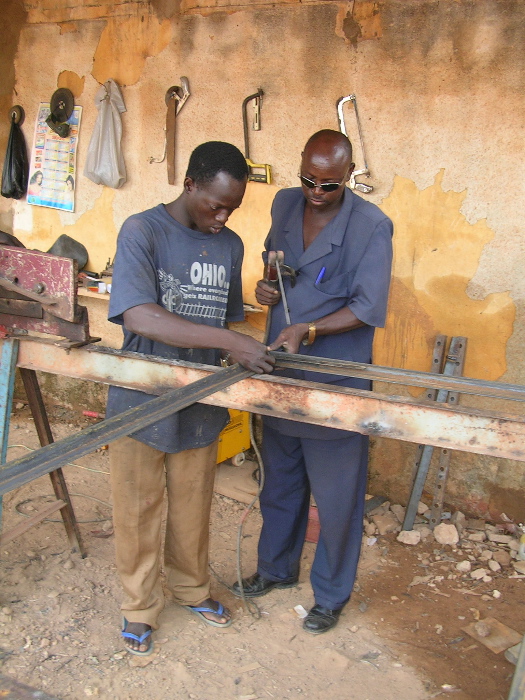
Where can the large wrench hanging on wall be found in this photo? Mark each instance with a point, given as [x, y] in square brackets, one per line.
[175, 98]
[359, 186]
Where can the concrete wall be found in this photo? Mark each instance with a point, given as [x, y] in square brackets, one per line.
[440, 89]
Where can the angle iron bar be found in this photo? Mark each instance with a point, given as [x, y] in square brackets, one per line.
[464, 385]
[48, 458]
[451, 367]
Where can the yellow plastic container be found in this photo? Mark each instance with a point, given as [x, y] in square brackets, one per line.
[235, 438]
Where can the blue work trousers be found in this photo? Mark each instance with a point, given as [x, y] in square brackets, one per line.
[335, 472]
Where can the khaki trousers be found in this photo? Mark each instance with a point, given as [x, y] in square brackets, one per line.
[139, 476]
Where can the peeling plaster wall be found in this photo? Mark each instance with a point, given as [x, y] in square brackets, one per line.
[440, 89]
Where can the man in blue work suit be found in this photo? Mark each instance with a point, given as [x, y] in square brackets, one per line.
[341, 249]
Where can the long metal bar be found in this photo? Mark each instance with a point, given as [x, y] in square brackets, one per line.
[464, 385]
[48, 458]
[460, 428]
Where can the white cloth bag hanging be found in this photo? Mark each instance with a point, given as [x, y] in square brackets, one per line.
[104, 161]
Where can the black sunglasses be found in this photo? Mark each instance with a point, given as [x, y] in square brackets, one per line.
[325, 186]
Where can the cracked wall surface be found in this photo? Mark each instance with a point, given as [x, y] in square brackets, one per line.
[440, 87]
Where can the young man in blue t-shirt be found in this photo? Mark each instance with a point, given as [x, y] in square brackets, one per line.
[176, 284]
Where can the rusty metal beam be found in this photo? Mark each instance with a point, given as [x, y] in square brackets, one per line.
[459, 428]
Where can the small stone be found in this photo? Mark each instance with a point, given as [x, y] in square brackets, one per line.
[19, 405]
[44, 642]
[485, 555]
[514, 545]
[502, 557]
[7, 610]
[459, 520]
[464, 566]
[422, 508]
[385, 523]
[476, 524]
[398, 511]
[68, 565]
[118, 656]
[409, 537]
[494, 566]
[477, 537]
[496, 594]
[519, 566]
[354, 628]
[487, 579]
[53, 594]
[478, 574]
[424, 531]
[370, 529]
[482, 628]
[500, 539]
[446, 534]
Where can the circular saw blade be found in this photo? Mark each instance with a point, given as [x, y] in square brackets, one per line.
[62, 104]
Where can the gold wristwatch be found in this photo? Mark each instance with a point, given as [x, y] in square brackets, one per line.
[311, 334]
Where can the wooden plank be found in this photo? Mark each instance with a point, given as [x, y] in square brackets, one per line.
[24, 526]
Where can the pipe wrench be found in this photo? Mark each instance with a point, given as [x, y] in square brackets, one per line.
[275, 269]
[359, 186]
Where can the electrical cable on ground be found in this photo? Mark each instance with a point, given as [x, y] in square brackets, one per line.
[69, 464]
[52, 520]
[249, 605]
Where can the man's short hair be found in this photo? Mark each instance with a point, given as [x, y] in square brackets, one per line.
[213, 157]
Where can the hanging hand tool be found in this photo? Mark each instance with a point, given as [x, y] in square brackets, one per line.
[175, 98]
[359, 186]
[258, 172]
[275, 270]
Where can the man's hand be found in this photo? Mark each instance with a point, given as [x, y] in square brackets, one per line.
[290, 338]
[251, 354]
[265, 294]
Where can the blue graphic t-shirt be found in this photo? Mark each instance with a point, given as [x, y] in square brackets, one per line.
[195, 275]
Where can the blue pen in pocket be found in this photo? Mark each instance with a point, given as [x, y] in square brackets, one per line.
[320, 276]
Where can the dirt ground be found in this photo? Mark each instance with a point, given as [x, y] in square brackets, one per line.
[400, 637]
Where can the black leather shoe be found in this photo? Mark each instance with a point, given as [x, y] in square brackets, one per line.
[321, 619]
[257, 585]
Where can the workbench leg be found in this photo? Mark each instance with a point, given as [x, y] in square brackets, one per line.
[43, 429]
[8, 360]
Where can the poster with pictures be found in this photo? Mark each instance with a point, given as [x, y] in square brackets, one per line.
[52, 170]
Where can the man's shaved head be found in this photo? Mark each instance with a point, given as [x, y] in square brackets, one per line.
[331, 144]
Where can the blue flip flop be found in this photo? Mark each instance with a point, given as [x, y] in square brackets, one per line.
[140, 640]
[198, 610]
